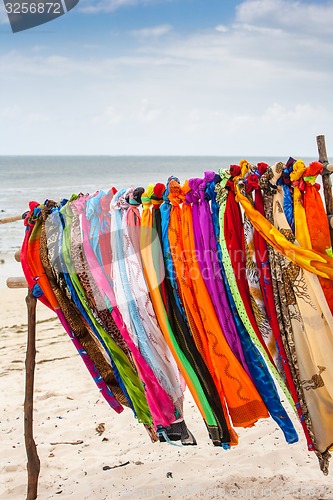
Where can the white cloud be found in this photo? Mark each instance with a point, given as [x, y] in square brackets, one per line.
[111, 116]
[11, 112]
[15, 63]
[222, 28]
[97, 6]
[290, 129]
[276, 116]
[152, 32]
[291, 15]
[147, 113]
[272, 37]
[264, 30]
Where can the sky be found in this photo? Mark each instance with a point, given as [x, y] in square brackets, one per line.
[170, 77]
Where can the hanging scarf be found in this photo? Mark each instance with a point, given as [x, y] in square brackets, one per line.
[222, 195]
[159, 356]
[180, 328]
[157, 252]
[314, 348]
[189, 360]
[209, 263]
[235, 243]
[89, 285]
[161, 314]
[269, 289]
[273, 341]
[33, 273]
[74, 319]
[317, 222]
[251, 344]
[300, 301]
[286, 308]
[256, 296]
[127, 378]
[211, 194]
[29, 223]
[244, 406]
[286, 182]
[312, 261]
[78, 295]
[98, 214]
[156, 397]
[148, 246]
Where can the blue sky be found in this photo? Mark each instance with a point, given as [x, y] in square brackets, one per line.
[184, 77]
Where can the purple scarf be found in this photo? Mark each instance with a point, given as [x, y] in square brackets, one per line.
[210, 265]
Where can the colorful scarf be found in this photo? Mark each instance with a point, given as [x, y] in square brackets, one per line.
[190, 362]
[151, 342]
[128, 380]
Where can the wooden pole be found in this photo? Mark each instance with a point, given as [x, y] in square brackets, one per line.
[17, 283]
[33, 464]
[327, 183]
[11, 219]
[322, 149]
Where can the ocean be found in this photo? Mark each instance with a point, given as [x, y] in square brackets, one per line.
[37, 178]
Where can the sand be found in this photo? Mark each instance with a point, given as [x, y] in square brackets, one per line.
[69, 408]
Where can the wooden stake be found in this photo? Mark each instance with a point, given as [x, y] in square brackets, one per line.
[10, 219]
[33, 464]
[327, 183]
[322, 149]
[17, 282]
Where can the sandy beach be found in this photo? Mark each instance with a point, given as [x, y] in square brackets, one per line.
[68, 408]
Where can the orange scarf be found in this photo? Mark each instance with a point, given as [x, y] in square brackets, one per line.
[317, 223]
